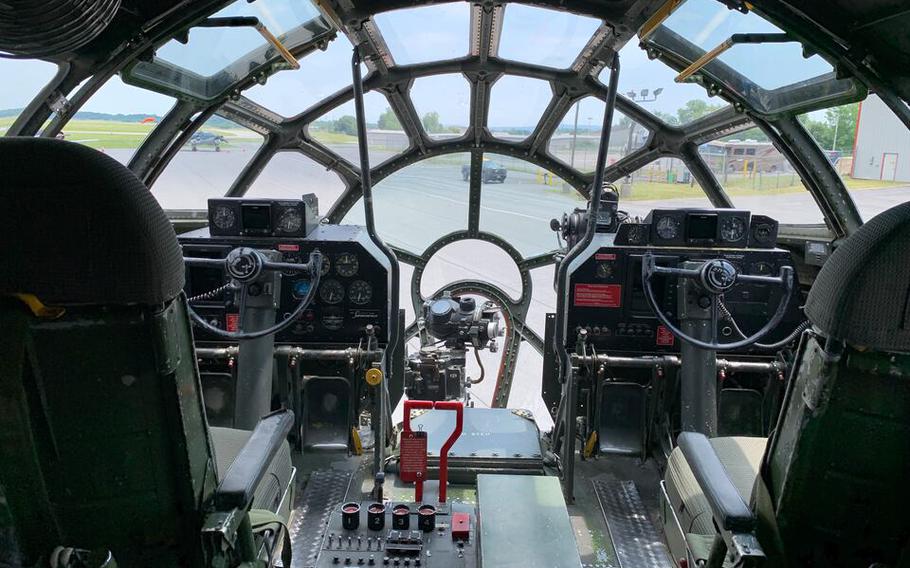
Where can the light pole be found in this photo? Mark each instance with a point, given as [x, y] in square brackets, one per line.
[626, 187]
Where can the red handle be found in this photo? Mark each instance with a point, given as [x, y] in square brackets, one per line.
[458, 407]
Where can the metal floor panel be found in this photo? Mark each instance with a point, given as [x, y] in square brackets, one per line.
[637, 542]
[324, 491]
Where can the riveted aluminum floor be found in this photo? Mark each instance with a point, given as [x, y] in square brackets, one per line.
[635, 539]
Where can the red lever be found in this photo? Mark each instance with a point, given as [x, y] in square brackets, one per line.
[458, 407]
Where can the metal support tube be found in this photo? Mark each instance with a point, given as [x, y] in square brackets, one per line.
[566, 420]
[298, 352]
[674, 361]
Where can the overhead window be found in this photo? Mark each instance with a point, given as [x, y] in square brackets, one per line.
[651, 85]
[443, 103]
[429, 33]
[509, 120]
[544, 37]
[577, 139]
[207, 165]
[291, 92]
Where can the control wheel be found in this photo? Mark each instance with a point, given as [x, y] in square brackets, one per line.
[244, 265]
[716, 277]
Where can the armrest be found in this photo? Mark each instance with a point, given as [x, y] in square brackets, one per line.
[251, 464]
[729, 509]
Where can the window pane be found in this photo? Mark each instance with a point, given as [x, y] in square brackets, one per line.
[545, 37]
[290, 92]
[337, 129]
[870, 149]
[25, 77]
[288, 175]
[417, 205]
[443, 103]
[471, 259]
[651, 84]
[518, 200]
[516, 105]
[577, 139]
[117, 118]
[430, 33]
[759, 178]
[207, 165]
[707, 23]
[665, 182]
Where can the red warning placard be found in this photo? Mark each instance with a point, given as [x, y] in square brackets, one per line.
[412, 460]
[232, 322]
[598, 295]
[665, 336]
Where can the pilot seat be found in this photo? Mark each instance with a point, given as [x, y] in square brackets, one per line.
[829, 487]
[104, 445]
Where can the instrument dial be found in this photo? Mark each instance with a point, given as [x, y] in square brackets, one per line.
[360, 292]
[332, 319]
[292, 258]
[290, 221]
[638, 234]
[668, 228]
[224, 217]
[347, 265]
[301, 288]
[331, 292]
[763, 232]
[732, 229]
[326, 265]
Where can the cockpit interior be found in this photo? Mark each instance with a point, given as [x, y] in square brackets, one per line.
[576, 283]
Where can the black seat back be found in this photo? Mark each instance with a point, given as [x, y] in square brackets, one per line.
[833, 490]
[103, 440]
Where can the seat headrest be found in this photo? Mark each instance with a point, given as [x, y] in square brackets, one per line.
[862, 294]
[77, 227]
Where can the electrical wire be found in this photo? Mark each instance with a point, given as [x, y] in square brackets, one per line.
[776, 345]
[482, 370]
[211, 294]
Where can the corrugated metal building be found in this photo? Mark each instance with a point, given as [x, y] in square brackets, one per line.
[882, 149]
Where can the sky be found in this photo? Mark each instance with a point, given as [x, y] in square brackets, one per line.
[530, 34]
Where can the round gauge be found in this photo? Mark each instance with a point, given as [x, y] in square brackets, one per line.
[668, 228]
[326, 266]
[301, 288]
[732, 229]
[761, 269]
[360, 292]
[638, 234]
[763, 232]
[347, 265]
[224, 217]
[331, 292]
[604, 270]
[290, 221]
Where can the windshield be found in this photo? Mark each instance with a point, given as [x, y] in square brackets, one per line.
[476, 142]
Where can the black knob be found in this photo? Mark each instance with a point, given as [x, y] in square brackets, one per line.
[401, 517]
[426, 518]
[350, 516]
[376, 517]
[467, 304]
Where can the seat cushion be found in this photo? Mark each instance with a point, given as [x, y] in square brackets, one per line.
[227, 444]
[741, 456]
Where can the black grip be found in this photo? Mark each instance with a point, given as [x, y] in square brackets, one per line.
[251, 464]
[728, 507]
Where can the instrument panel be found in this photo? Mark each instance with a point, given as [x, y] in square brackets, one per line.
[353, 290]
[605, 287]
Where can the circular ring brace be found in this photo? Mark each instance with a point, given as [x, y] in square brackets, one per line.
[715, 277]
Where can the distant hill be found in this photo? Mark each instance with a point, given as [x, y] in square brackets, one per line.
[86, 115]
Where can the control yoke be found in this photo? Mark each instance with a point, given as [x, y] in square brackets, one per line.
[245, 266]
[715, 277]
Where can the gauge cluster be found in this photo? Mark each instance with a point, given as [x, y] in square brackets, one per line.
[713, 228]
[242, 217]
[353, 290]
